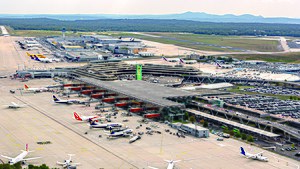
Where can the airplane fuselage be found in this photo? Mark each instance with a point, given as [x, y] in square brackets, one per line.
[19, 158]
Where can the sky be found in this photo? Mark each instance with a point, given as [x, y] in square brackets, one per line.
[267, 8]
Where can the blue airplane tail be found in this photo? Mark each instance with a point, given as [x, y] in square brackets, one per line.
[92, 122]
[55, 98]
[36, 58]
[181, 61]
[243, 151]
[218, 64]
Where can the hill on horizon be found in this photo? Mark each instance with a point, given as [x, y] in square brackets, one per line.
[192, 16]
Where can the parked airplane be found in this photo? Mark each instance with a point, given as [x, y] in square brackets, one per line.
[134, 138]
[44, 60]
[171, 164]
[187, 61]
[33, 48]
[85, 118]
[57, 100]
[257, 156]
[224, 66]
[14, 105]
[171, 59]
[20, 157]
[68, 163]
[94, 124]
[41, 89]
[123, 133]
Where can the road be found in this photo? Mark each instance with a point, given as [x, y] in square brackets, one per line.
[284, 44]
[4, 31]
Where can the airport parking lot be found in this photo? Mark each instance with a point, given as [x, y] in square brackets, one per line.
[273, 90]
[267, 104]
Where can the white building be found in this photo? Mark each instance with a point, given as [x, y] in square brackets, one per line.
[195, 130]
[192, 129]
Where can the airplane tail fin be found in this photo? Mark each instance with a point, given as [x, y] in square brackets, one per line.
[26, 148]
[218, 64]
[181, 61]
[110, 130]
[165, 59]
[55, 98]
[92, 122]
[77, 117]
[25, 86]
[28, 54]
[243, 151]
[37, 58]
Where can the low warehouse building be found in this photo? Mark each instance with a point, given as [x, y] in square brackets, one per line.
[195, 130]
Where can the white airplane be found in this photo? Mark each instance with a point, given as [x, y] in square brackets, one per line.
[94, 124]
[41, 89]
[20, 157]
[187, 61]
[257, 156]
[171, 59]
[57, 100]
[68, 163]
[171, 164]
[86, 118]
[224, 66]
[44, 60]
[123, 133]
[14, 105]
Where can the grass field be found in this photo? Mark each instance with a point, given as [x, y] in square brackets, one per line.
[248, 43]
[286, 57]
[208, 42]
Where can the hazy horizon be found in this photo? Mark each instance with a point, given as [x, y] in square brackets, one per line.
[265, 8]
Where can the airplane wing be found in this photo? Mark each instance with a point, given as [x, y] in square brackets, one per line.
[60, 163]
[13, 103]
[152, 167]
[6, 157]
[27, 159]
[74, 164]
[260, 153]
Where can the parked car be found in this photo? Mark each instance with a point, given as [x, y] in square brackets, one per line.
[220, 139]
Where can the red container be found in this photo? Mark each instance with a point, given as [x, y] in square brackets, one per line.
[76, 88]
[135, 110]
[121, 104]
[149, 116]
[86, 92]
[108, 100]
[97, 95]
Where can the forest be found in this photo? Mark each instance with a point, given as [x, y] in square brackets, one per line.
[155, 25]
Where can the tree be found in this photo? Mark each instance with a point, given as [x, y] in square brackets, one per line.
[205, 124]
[244, 136]
[225, 129]
[238, 135]
[293, 145]
[186, 115]
[250, 138]
[231, 132]
[202, 121]
[192, 119]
